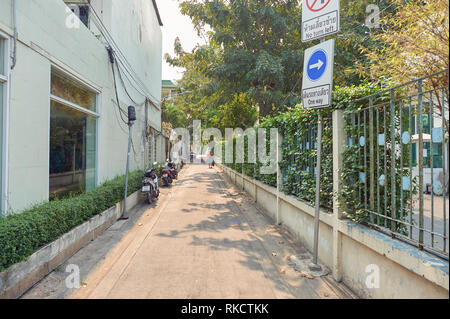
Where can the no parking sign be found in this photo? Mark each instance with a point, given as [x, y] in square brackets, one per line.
[319, 18]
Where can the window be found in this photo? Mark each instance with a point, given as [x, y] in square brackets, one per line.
[2, 56]
[72, 91]
[437, 155]
[73, 129]
[3, 85]
[81, 9]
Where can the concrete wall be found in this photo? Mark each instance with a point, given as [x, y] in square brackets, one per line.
[351, 250]
[45, 40]
[355, 254]
[22, 276]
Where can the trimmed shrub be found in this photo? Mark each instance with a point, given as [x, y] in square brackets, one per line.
[298, 126]
[23, 233]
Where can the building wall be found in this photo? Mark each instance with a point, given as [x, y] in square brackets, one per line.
[45, 40]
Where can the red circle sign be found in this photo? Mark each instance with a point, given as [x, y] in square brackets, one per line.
[320, 4]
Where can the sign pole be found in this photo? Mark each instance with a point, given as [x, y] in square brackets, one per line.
[314, 265]
[131, 119]
[319, 19]
[124, 212]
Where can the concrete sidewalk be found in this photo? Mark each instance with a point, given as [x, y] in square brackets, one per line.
[204, 240]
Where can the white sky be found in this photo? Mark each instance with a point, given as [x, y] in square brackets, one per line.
[175, 24]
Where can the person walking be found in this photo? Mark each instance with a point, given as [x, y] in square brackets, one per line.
[210, 159]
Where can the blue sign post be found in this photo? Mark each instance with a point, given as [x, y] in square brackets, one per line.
[318, 75]
[317, 65]
[316, 93]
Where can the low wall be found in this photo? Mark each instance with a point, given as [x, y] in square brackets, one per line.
[20, 277]
[353, 252]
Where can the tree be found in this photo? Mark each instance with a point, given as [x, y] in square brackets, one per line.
[208, 100]
[257, 49]
[415, 45]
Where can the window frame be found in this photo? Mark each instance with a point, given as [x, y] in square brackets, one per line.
[4, 108]
[95, 115]
[80, 4]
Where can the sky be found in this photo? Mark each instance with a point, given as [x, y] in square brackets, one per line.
[175, 24]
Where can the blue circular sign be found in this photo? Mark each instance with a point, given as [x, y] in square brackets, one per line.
[317, 64]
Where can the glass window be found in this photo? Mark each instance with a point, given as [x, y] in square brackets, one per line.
[426, 155]
[72, 150]
[437, 155]
[2, 56]
[414, 154]
[80, 10]
[72, 91]
[72, 138]
[1, 133]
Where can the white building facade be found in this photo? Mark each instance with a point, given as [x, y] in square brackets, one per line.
[61, 129]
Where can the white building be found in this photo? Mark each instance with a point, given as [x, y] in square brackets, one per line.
[60, 125]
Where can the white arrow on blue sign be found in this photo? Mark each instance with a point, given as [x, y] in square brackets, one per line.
[317, 65]
[318, 75]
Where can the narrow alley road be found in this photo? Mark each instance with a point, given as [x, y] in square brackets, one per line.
[204, 240]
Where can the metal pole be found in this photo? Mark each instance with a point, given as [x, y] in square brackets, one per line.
[314, 265]
[124, 214]
[420, 126]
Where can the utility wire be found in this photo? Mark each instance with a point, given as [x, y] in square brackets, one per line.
[112, 60]
[105, 33]
[112, 42]
[138, 90]
[125, 88]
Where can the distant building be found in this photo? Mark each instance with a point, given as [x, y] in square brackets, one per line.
[168, 88]
[60, 126]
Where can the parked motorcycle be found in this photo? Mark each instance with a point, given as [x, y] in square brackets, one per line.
[150, 185]
[173, 170]
[166, 176]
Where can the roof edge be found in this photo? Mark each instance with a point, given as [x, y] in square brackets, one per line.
[157, 13]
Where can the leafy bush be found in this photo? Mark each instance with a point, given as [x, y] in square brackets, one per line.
[298, 126]
[24, 233]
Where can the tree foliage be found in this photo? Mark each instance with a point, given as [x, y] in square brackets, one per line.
[254, 48]
[416, 43]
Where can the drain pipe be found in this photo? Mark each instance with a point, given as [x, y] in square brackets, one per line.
[14, 57]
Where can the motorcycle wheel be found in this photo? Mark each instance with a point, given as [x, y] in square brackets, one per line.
[149, 198]
[170, 180]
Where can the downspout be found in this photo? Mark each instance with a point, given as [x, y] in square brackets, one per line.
[14, 57]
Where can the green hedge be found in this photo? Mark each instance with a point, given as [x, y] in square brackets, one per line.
[298, 126]
[23, 233]
[355, 196]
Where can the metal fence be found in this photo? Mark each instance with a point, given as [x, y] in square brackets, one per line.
[402, 137]
[299, 175]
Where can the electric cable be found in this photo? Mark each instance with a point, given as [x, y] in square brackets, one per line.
[112, 42]
[112, 60]
[118, 59]
[125, 88]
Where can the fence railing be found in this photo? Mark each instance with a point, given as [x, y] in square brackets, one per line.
[299, 169]
[401, 139]
[394, 174]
